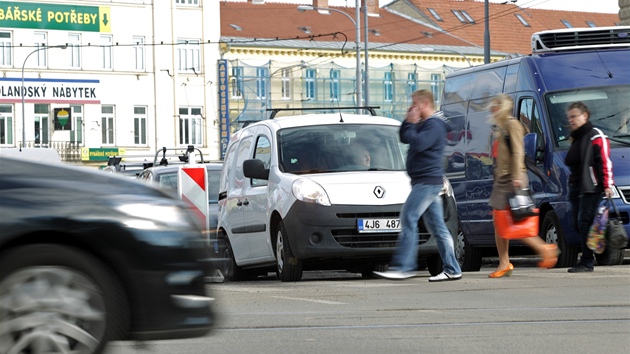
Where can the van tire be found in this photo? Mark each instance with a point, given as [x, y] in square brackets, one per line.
[288, 267]
[611, 256]
[231, 271]
[468, 257]
[552, 233]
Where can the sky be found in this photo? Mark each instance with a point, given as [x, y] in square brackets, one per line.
[605, 6]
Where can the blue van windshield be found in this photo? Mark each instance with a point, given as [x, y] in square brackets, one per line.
[609, 106]
[340, 148]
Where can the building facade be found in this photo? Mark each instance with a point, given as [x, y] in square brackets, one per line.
[121, 78]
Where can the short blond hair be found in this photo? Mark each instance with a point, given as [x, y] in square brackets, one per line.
[423, 95]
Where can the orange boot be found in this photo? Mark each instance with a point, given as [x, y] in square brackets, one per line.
[549, 257]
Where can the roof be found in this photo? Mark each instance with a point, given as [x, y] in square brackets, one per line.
[402, 25]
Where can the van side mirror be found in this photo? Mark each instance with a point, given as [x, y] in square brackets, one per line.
[530, 142]
[255, 168]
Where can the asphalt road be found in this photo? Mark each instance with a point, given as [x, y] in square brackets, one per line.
[534, 311]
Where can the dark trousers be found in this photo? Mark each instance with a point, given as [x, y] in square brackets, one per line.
[584, 210]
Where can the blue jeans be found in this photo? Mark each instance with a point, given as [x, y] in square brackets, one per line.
[584, 209]
[424, 200]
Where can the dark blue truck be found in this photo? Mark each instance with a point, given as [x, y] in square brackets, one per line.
[591, 65]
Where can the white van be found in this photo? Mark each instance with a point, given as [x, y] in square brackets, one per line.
[313, 192]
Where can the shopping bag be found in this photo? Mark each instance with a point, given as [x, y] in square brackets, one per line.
[596, 239]
[521, 204]
[507, 228]
[616, 236]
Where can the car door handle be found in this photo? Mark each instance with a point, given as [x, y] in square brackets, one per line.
[246, 202]
[239, 203]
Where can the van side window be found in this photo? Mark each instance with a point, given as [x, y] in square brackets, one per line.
[243, 154]
[227, 170]
[262, 152]
[489, 83]
[529, 116]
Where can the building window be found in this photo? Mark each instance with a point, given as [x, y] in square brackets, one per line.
[236, 82]
[190, 126]
[523, 21]
[411, 84]
[107, 125]
[591, 24]
[76, 134]
[566, 23]
[74, 48]
[311, 85]
[6, 124]
[388, 87]
[41, 126]
[286, 84]
[189, 55]
[138, 51]
[435, 88]
[261, 83]
[40, 56]
[334, 84]
[187, 2]
[140, 125]
[467, 17]
[5, 48]
[435, 14]
[459, 16]
[106, 45]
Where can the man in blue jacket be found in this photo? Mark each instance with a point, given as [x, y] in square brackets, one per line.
[425, 131]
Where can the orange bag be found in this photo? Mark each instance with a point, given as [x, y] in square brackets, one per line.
[508, 229]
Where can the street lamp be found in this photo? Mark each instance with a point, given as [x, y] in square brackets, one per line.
[357, 43]
[23, 93]
[446, 50]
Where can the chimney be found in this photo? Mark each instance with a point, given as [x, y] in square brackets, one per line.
[372, 7]
[256, 2]
[320, 3]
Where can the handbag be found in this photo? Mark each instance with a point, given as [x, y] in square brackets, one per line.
[509, 229]
[521, 204]
[596, 239]
[616, 235]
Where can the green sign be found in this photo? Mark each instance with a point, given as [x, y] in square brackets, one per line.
[101, 154]
[54, 17]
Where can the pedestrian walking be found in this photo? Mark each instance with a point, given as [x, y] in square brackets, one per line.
[510, 175]
[591, 176]
[425, 131]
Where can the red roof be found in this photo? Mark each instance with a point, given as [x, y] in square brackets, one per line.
[507, 33]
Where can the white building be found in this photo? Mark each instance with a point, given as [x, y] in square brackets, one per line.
[124, 77]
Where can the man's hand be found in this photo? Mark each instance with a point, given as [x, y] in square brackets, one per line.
[608, 193]
[413, 115]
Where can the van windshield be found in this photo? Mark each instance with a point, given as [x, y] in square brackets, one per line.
[609, 106]
[340, 148]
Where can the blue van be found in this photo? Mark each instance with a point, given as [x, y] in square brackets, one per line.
[591, 65]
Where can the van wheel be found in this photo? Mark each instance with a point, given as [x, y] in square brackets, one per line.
[553, 234]
[434, 263]
[231, 271]
[289, 268]
[57, 299]
[468, 257]
[611, 256]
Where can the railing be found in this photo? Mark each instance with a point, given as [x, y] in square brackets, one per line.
[68, 151]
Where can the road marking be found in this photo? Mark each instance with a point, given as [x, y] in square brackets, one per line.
[310, 300]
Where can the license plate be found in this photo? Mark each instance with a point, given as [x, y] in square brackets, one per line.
[378, 225]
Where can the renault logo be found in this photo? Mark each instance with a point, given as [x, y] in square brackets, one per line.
[379, 191]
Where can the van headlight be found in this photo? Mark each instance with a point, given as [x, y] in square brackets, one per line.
[309, 191]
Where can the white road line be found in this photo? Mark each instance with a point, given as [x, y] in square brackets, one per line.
[310, 300]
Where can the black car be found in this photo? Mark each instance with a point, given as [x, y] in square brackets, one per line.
[88, 257]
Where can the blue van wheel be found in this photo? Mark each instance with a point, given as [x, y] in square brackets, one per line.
[552, 233]
[468, 257]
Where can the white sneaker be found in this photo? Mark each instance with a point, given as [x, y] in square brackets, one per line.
[445, 277]
[395, 274]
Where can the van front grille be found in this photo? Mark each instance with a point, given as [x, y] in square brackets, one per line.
[574, 39]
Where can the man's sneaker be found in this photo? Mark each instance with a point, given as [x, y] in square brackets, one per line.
[395, 274]
[580, 268]
[445, 277]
